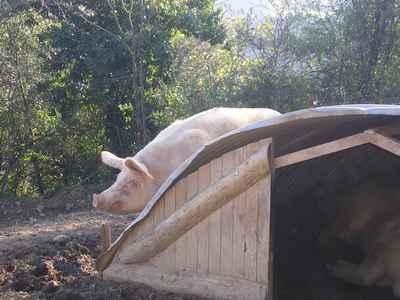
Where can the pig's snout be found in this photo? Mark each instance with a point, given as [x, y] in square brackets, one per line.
[97, 201]
[102, 202]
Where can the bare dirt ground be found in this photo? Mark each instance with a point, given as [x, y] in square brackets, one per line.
[48, 249]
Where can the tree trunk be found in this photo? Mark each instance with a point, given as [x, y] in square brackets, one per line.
[37, 176]
[114, 125]
[138, 76]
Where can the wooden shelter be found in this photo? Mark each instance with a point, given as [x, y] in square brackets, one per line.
[207, 231]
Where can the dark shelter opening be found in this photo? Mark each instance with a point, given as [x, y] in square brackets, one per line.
[304, 202]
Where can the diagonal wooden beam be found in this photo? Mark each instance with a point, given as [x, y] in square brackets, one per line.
[368, 137]
[321, 150]
[197, 209]
[105, 236]
[384, 142]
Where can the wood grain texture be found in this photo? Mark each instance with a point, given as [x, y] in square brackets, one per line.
[250, 224]
[105, 236]
[263, 229]
[228, 166]
[202, 229]
[209, 234]
[181, 244]
[322, 149]
[196, 210]
[191, 235]
[214, 232]
[239, 230]
[166, 259]
[204, 285]
[386, 143]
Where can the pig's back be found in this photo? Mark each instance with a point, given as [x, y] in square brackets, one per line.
[182, 138]
[217, 121]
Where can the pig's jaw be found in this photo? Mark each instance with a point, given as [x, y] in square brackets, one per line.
[116, 207]
[99, 203]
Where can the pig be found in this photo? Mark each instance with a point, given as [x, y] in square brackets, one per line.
[141, 175]
[369, 217]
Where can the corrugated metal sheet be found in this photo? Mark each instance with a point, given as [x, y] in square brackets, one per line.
[291, 132]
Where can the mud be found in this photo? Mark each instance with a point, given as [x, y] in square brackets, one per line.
[48, 250]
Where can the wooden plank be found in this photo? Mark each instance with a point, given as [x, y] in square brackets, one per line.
[191, 236]
[105, 236]
[170, 253]
[251, 149]
[386, 143]
[143, 227]
[202, 206]
[202, 228]
[320, 150]
[250, 223]
[166, 259]
[158, 212]
[239, 232]
[181, 244]
[228, 165]
[147, 225]
[203, 285]
[370, 136]
[263, 229]
[214, 228]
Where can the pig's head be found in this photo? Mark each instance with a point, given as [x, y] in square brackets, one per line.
[132, 189]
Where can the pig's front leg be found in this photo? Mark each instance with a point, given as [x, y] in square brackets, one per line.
[367, 273]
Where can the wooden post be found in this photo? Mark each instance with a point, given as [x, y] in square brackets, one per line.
[197, 209]
[105, 236]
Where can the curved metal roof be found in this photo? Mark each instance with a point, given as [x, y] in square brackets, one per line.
[291, 132]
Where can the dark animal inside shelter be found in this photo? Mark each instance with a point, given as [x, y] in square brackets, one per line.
[304, 202]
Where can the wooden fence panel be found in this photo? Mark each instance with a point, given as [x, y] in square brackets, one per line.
[263, 229]
[232, 241]
[203, 227]
[191, 236]
[181, 244]
[215, 224]
[239, 231]
[228, 165]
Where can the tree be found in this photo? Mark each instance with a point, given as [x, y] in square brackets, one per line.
[123, 47]
[21, 105]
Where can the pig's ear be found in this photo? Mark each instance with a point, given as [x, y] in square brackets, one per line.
[112, 160]
[133, 164]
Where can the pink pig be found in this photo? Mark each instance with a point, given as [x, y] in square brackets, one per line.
[142, 174]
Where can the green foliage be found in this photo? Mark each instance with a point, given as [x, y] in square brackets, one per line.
[86, 64]
[80, 76]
